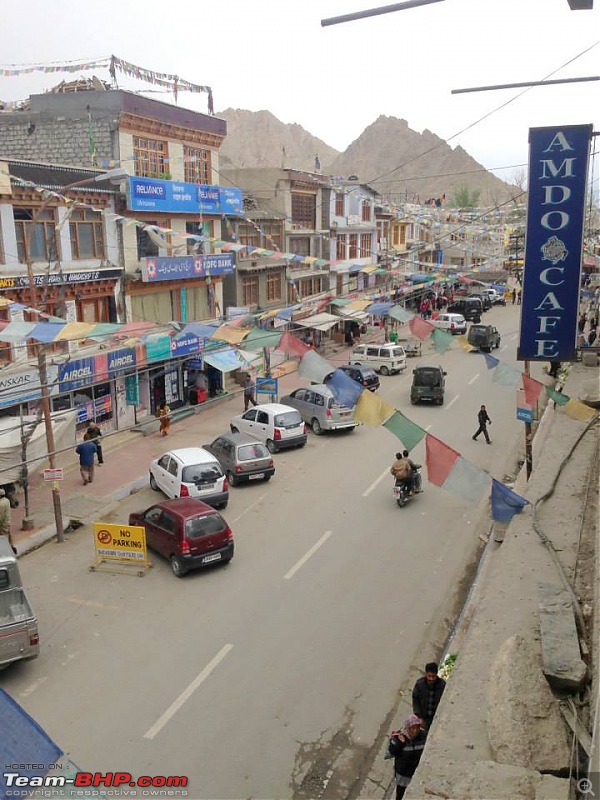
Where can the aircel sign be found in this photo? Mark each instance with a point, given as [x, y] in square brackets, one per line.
[558, 163]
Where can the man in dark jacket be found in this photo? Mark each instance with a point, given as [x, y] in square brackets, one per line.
[427, 694]
[406, 747]
[483, 419]
[95, 435]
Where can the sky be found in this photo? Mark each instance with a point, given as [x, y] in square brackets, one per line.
[336, 81]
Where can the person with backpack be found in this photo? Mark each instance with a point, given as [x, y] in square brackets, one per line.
[402, 471]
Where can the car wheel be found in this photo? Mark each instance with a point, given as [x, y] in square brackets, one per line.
[413, 401]
[440, 401]
[223, 506]
[384, 371]
[177, 567]
[271, 446]
[233, 429]
[231, 479]
[153, 483]
[316, 427]
[267, 478]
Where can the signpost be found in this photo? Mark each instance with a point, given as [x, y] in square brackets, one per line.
[120, 545]
[56, 474]
[268, 386]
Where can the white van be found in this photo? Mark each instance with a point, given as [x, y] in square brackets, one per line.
[384, 358]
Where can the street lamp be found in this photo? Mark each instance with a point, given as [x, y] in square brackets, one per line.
[114, 175]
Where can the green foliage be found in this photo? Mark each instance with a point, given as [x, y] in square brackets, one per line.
[463, 197]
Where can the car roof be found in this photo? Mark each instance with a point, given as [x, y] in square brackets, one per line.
[238, 438]
[275, 408]
[190, 455]
[359, 367]
[186, 507]
[322, 388]
[454, 316]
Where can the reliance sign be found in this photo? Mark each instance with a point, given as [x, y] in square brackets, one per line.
[558, 164]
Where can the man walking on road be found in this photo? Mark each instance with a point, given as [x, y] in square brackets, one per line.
[95, 435]
[86, 452]
[249, 392]
[483, 419]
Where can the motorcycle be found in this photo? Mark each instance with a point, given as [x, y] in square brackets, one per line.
[402, 493]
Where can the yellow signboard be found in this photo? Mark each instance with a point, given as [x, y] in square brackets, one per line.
[123, 544]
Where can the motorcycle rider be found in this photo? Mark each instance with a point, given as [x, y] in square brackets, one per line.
[416, 482]
[402, 471]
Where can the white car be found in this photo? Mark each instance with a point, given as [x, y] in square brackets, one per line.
[190, 472]
[277, 425]
[386, 358]
[453, 323]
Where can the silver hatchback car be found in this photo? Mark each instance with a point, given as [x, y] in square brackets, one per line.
[242, 457]
[319, 409]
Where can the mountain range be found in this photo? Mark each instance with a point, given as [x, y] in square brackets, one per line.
[402, 164]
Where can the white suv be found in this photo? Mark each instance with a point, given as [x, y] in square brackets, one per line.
[384, 358]
[275, 424]
[453, 323]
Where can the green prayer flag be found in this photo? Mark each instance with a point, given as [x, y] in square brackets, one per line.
[441, 340]
[409, 433]
[559, 398]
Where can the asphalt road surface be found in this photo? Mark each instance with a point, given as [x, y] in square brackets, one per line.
[274, 676]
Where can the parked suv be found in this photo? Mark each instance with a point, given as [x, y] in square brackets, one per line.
[384, 358]
[453, 323]
[277, 425]
[470, 307]
[366, 376]
[190, 472]
[484, 337]
[429, 383]
[242, 457]
[486, 300]
[188, 532]
[319, 408]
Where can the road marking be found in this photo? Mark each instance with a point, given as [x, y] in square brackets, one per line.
[504, 348]
[376, 482]
[32, 687]
[69, 658]
[474, 378]
[91, 604]
[307, 555]
[187, 693]
[250, 507]
[451, 403]
[428, 427]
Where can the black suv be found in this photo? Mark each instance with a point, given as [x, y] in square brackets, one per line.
[485, 300]
[470, 307]
[484, 337]
[366, 376]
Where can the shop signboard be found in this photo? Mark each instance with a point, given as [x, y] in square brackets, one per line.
[24, 386]
[120, 361]
[158, 347]
[132, 390]
[179, 197]
[76, 373]
[100, 407]
[176, 268]
[184, 344]
[120, 542]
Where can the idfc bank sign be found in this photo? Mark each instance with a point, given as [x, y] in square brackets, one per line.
[558, 165]
[178, 197]
[174, 268]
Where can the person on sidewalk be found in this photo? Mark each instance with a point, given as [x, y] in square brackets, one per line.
[427, 693]
[95, 435]
[5, 519]
[406, 748]
[164, 416]
[513, 294]
[86, 451]
[249, 388]
[483, 419]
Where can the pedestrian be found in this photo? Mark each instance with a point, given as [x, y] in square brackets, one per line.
[554, 368]
[249, 388]
[581, 323]
[406, 747]
[86, 452]
[514, 296]
[519, 293]
[427, 693]
[483, 419]
[5, 519]
[592, 335]
[95, 435]
[164, 416]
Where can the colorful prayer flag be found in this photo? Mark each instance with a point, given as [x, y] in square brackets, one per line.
[467, 481]
[371, 410]
[409, 433]
[345, 390]
[532, 388]
[559, 398]
[578, 410]
[441, 340]
[505, 503]
[439, 459]
[464, 343]
[292, 346]
[420, 327]
[314, 367]
[506, 375]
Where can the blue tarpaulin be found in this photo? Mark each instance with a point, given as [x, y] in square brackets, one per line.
[345, 390]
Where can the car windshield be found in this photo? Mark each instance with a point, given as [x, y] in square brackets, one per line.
[289, 419]
[208, 525]
[478, 330]
[249, 451]
[427, 377]
[396, 352]
[201, 473]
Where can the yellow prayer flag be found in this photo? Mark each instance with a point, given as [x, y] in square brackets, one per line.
[226, 333]
[74, 330]
[371, 410]
[578, 410]
[462, 340]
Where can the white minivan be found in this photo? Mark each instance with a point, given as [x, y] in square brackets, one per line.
[384, 358]
[277, 425]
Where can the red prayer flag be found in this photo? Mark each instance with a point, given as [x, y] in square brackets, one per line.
[439, 459]
[533, 389]
[291, 345]
[420, 328]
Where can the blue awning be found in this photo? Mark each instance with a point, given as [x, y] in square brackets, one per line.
[379, 309]
[225, 360]
[200, 330]
[354, 268]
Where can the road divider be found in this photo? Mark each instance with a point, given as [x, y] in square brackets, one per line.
[306, 556]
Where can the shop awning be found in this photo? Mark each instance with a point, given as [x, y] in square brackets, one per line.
[351, 313]
[319, 322]
[379, 309]
[225, 360]
[369, 269]
[340, 301]
[358, 305]
[354, 268]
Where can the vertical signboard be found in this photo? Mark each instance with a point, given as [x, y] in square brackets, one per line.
[558, 165]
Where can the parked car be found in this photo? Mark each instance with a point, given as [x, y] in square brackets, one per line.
[486, 300]
[319, 409]
[19, 633]
[366, 376]
[453, 323]
[484, 337]
[470, 307]
[188, 532]
[385, 358]
[277, 425]
[428, 383]
[242, 457]
[190, 472]
[497, 297]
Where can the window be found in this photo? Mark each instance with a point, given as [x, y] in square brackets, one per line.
[353, 246]
[365, 245]
[205, 229]
[147, 246]
[365, 211]
[197, 165]
[87, 234]
[151, 158]
[43, 245]
[340, 204]
[250, 290]
[304, 210]
[273, 286]
[300, 247]
[340, 248]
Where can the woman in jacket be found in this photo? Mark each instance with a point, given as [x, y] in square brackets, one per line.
[406, 746]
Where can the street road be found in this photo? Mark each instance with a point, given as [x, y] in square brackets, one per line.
[275, 676]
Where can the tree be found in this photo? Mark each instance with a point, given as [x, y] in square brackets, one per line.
[463, 197]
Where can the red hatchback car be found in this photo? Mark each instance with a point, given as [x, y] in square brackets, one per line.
[190, 533]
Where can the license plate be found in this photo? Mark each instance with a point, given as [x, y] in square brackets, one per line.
[205, 487]
[345, 413]
[397, 491]
[256, 477]
[214, 557]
